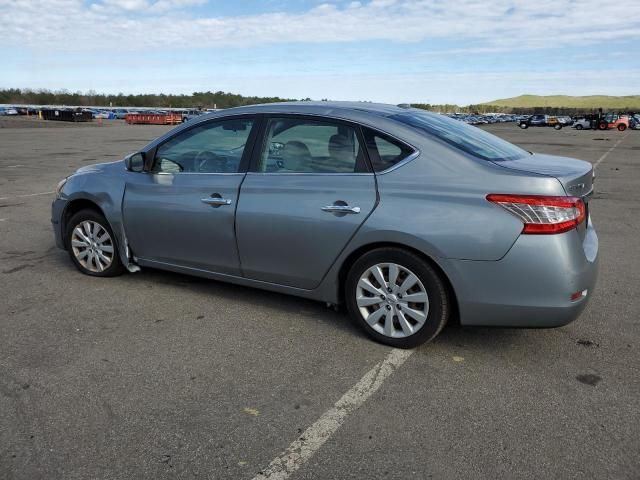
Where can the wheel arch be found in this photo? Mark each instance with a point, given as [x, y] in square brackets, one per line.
[363, 249]
[75, 206]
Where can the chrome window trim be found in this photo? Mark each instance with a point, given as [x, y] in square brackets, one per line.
[350, 174]
[197, 173]
[404, 161]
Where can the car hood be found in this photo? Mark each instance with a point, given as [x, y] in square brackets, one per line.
[102, 167]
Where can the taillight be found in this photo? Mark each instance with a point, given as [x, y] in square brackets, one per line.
[542, 214]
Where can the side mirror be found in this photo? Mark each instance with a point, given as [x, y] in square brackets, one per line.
[135, 162]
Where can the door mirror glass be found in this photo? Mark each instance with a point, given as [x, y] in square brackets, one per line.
[135, 162]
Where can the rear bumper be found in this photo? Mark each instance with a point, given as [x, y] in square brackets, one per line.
[57, 210]
[532, 285]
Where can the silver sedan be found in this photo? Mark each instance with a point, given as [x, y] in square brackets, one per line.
[408, 218]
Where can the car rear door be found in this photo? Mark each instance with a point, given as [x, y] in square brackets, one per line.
[182, 211]
[309, 191]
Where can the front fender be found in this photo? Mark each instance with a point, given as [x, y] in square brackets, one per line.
[106, 192]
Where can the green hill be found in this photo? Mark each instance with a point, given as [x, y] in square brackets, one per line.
[605, 102]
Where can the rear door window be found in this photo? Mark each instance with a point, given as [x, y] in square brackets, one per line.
[301, 145]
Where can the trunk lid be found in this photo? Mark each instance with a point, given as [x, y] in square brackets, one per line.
[576, 176]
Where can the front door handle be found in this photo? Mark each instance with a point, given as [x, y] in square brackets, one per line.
[216, 200]
[340, 209]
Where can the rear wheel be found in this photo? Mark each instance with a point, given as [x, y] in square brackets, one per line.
[92, 245]
[603, 125]
[397, 297]
[622, 127]
[524, 126]
[557, 126]
[578, 127]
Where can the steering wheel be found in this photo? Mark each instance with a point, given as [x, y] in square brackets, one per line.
[234, 149]
[209, 162]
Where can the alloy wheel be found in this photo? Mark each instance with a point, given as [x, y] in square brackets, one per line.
[92, 246]
[392, 300]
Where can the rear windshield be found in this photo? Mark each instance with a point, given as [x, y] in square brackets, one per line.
[467, 138]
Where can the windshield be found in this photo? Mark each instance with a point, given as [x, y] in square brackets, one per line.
[467, 138]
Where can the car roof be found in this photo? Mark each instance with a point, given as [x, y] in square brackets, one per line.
[374, 115]
[347, 110]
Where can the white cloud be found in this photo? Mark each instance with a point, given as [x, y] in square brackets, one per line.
[130, 5]
[55, 29]
[145, 24]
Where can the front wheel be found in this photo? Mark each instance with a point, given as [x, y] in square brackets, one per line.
[524, 126]
[397, 297]
[92, 246]
[557, 126]
[578, 127]
[622, 127]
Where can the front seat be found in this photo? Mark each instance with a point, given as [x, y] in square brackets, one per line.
[296, 157]
[341, 154]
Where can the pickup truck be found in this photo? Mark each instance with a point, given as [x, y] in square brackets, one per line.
[541, 121]
[191, 114]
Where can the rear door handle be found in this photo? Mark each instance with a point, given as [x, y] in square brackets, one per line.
[340, 209]
[216, 201]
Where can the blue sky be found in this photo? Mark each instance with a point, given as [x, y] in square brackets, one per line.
[429, 51]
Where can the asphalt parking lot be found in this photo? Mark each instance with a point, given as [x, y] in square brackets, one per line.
[158, 375]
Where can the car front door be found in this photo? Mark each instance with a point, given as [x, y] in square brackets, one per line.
[308, 192]
[181, 212]
[537, 120]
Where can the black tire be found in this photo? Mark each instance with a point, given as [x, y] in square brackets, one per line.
[603, 126]
[578, 127]
[622, 127]
[558, 126]
[116, 267]
[524, 126]
[439, 301]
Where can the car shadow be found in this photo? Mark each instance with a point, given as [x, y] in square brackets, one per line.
[453, 336]
[287, 304]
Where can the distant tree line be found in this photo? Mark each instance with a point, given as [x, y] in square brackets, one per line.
[218, 99]
[221, 99]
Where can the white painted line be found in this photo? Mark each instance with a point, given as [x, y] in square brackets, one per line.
[2, 219]
[36, 194]
[301, 450]
[606, 154]
[27, 195]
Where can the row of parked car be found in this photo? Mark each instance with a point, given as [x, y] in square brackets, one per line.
[102, 113]
[584, 122]
[8, 111]
[596, 122]
[121, 113]
[472, 119]
[618, 121]
[611, 120]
